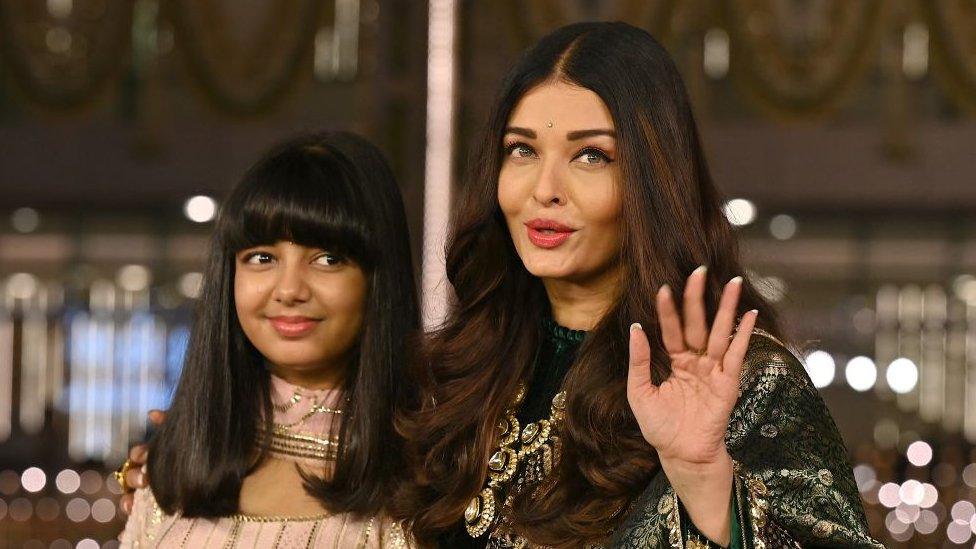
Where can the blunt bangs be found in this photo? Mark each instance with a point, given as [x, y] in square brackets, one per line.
[307, 195]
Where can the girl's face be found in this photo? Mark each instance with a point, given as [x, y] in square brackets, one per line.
[302, 308]
[558, 186]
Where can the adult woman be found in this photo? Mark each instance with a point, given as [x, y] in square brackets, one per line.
[280, 429]
[589, 197]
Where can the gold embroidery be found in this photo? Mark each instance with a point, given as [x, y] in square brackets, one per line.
[314, 534]
[535, 439]
[301, 445]
[281, 532]
[398, 538]
[673, 519]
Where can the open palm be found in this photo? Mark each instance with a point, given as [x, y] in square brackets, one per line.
[686, 416]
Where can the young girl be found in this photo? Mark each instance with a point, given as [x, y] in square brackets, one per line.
[280, 430]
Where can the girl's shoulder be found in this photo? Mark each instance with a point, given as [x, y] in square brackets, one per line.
[144, 521]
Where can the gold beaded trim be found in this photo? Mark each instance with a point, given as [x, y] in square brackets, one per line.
[261, 518]
[300, 445]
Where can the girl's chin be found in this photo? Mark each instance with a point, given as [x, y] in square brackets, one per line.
[295, 363]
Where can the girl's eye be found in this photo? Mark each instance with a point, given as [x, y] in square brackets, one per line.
[328, 260]
[519, 150]
[258, 258]
[593, 157]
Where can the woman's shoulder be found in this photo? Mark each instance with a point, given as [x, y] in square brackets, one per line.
[773, 387]
[768, 356]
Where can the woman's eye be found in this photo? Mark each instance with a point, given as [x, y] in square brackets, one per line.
[593, 157]
[328, 260]
[258, 258]
[519, 150]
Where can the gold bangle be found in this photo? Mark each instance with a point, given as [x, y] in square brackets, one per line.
[120, 476]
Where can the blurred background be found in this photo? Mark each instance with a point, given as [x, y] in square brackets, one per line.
[841, 131]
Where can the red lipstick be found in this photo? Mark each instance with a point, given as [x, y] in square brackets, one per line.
[548, 234]
[293, 326]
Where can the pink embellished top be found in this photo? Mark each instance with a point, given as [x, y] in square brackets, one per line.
[303, 420]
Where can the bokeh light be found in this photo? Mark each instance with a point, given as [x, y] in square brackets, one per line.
[190, 284]
[47, 509]
[77, 510]
[20, 510]
[927, 522]
[133, 278]
[25, 220]
[902, 375]
[740, 212]
[861, 373]
[9, 482]
[103, 510]
[911, 492]
[91, 482]
[888, 495]
[782, 227]
[821, 368]
[200, 209]
[33, 479]
[962, 511]
[958, 532]
[68, 481]
[969, 475]
[919, 453]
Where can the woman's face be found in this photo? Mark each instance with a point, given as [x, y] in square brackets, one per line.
[302, 308]
[559, 183]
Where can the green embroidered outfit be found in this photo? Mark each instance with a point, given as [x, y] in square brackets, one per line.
[793, 484]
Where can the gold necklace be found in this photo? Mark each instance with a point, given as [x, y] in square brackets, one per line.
[514, 446]
[288, 439]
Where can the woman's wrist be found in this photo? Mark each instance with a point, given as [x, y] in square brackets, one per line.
[704, 490]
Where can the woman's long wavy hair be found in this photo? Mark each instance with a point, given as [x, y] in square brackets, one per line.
[672, 221]
[331, 190]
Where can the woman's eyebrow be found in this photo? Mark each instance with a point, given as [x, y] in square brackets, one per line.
[521, 131]
[580, 134]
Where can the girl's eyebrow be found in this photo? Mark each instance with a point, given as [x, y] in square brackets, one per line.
[570, 136]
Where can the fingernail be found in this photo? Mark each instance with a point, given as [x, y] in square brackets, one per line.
[736, 280]
[126, 507]
[755, 312]
[664, 289]
[144, 469]
[700, 269]
[636, 326]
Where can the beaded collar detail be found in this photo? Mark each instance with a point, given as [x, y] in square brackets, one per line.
[305, 423]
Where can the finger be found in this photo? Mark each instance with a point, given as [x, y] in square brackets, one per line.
[718, 339]
[732, 363]
[667, 314]
[138, 454]
[126, 503]
[135, 478]
[696, 331]
[639, 373]
[156, 417]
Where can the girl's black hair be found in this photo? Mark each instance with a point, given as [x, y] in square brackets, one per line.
[331, 190]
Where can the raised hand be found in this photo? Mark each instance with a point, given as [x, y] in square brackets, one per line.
[686, 416]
